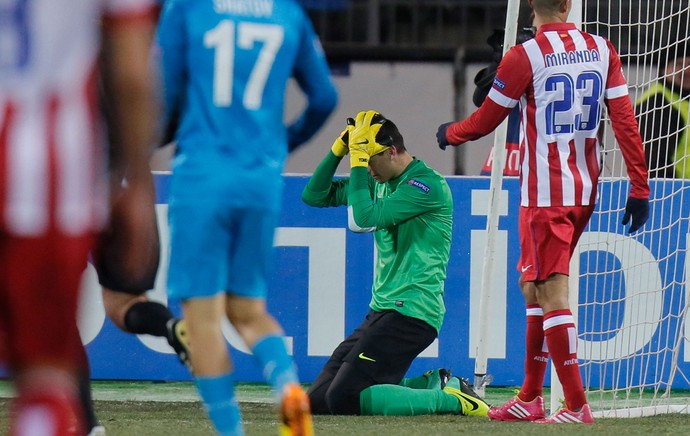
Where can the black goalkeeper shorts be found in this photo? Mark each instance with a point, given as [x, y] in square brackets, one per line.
[386, 343]
[380, 351]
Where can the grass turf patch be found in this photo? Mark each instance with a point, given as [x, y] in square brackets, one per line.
[152, 409]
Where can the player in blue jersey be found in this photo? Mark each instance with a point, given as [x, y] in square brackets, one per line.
[225, 65]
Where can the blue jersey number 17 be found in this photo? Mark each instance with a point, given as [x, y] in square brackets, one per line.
[222, 39]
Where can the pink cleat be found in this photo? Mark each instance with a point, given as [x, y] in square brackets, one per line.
[518, 410]
[565, 416]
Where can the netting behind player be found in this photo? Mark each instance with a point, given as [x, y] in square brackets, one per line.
[633, 291]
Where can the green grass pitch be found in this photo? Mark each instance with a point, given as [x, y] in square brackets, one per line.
[172, 409]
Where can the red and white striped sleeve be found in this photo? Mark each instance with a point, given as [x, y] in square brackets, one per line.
[625, 126]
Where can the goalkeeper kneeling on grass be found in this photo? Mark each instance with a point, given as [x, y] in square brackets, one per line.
[409, 208]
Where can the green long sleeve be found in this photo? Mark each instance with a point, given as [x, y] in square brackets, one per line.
[322, 190]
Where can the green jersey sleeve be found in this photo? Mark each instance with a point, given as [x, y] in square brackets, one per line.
[322, 190]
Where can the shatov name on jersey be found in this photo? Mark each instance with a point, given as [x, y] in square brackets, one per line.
[254, 8]
[571, 57]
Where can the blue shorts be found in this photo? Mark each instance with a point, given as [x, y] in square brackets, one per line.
[216, 248]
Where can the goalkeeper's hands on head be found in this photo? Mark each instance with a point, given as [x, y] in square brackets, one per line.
[341, 144]
[363, 143]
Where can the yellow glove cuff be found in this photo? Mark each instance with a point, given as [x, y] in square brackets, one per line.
[358, 158]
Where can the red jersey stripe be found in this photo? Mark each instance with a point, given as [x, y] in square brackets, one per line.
[53, 154]
[6, 124]
[531, 132]
[567, 41]
[591, 42]
[592, 158]
[577, 178]
[544, 46]
[555, 173]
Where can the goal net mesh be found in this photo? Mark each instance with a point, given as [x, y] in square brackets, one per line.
[633, 291]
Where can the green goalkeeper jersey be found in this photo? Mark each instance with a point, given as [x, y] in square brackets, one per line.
[412, 217]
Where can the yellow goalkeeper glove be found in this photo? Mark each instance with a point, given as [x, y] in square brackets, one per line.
[340, 145]
[363, 143]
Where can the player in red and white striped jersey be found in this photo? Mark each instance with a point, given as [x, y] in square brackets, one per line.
[53, 185]
[561, 79]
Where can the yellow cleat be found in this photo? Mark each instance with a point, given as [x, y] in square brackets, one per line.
[471, 403]
[178, 340]
[295, 413]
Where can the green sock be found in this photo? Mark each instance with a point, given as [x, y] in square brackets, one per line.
[396, 400]
[429, 380]
[420, 382]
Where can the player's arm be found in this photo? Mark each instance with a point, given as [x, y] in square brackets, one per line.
[132, 110]
[170, 60]
[628, 136]
[513, 76]
[408, 201]
[129, 96]
[322, 190]
[313, 76]
[625, 127]
[626, 133]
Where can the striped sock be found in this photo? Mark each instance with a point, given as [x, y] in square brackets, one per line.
[537, 355]
[561, 337]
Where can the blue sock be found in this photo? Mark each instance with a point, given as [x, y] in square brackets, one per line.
[276, 363]
[218, 395]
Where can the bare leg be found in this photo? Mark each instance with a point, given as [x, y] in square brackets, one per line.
[211, 362]
[250, 318]
[117, 304]
[207, 344]
[262, 333]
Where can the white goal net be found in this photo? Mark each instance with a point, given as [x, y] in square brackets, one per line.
[632, 291]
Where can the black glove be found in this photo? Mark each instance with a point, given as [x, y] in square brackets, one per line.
[483, 82]
[638, 209]
[441, 136]
[495, 40]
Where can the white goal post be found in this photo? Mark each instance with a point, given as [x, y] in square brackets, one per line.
[480, 364]
[630, 295]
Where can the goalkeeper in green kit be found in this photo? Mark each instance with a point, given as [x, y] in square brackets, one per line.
[409, 208]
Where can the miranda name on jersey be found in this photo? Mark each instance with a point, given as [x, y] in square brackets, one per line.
[571, 57]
